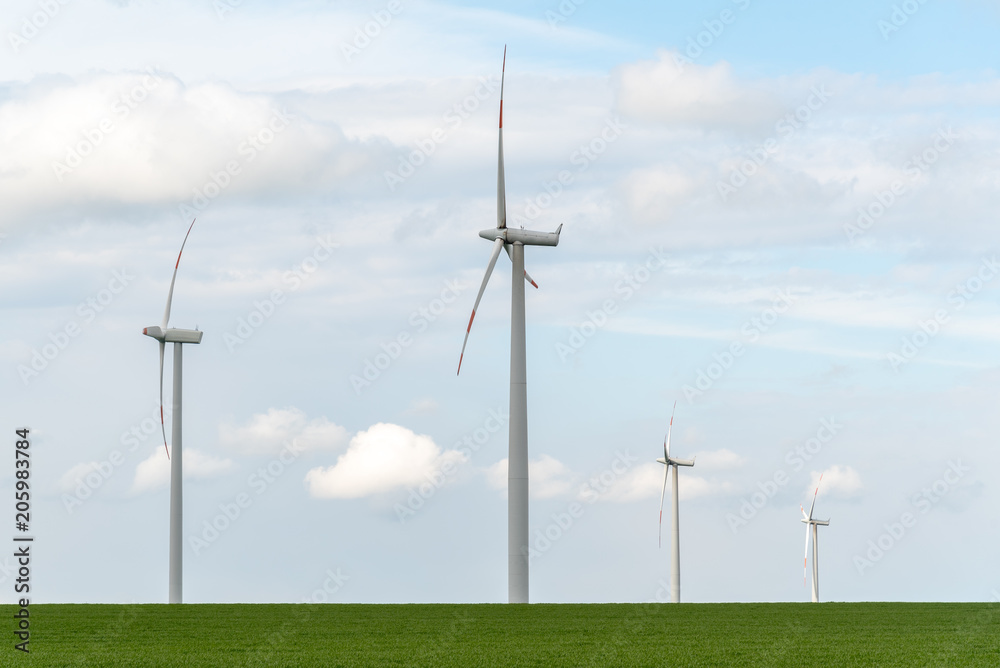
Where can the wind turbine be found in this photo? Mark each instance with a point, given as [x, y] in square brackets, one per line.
[178, 337]
[675, 541]
[811, 525]
[513, 241]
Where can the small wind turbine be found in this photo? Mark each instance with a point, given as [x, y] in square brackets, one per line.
[811, 525]
[513, 241]
[675, 556]
[178, 337]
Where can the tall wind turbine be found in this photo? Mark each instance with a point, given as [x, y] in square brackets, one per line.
[178, 337]
[513, 241]
[811, 525]
[675, 540]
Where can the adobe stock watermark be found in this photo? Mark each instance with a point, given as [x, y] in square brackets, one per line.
[31, 26]
[470, 444]
[452, 119]
[624, 290]
[225, 7]
[334, 581]
[246, 152]
[419, 321]
[796, 459]
[590, 493]
[751, 330]
[371, 30]
[59, 340]
[276, 642]
[696, 45]
[899, 17]
[582, 158]
[229, 513]
[923, 501]
[927, 330]
[785, 128]
[120, 110]
[563, 11]
[263, 310]
[101, 472]
[916, 166]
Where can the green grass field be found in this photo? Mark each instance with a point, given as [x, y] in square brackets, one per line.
[776, 634]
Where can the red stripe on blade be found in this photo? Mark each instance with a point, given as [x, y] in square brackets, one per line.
[178, 263]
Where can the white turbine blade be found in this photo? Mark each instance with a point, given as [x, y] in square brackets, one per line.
[815, 494]
[659, 535]
[163, 426]
[527, 276]
[170, 294]
[666, 446]
[497, 245]
[805, 570]
[501, 188]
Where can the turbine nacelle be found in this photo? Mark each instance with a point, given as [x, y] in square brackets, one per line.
[173, 334]
[676, 462]
[524, 237]
[822, 523]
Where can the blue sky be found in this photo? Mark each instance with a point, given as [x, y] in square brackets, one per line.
[790, 234]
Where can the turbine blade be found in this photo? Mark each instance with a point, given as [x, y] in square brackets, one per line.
[170, 294]
[659, 535]
[815, 494]
[527, 276]
[497, 245]
[501, 187]
[163, 426]
[666, 446]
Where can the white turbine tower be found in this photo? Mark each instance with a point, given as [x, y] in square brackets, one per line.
[178, 337]
[811, 525]
[675, 542]
[513, 241]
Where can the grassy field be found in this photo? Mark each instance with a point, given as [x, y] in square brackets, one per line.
[775, 634]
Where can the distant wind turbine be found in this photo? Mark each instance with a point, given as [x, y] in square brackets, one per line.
[811, 525]
[513, 241]
[675, 556]
[178, 337]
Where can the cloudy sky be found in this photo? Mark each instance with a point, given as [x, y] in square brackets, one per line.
[779, 215]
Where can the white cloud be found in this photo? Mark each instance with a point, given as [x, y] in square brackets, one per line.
[646, 481]
[496, 475]
[383, 458]
[266, 433]
[707, 96]
[547, 477]
[69, 481]
[143, 139]
[719, 460]
[154, 471]
[657, 193]
[838, 481]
